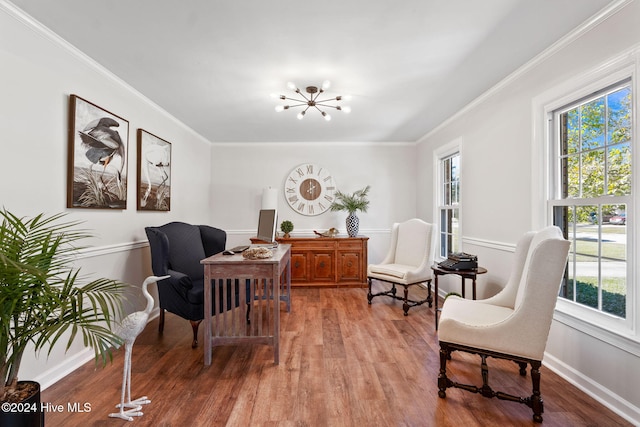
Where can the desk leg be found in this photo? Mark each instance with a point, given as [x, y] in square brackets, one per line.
[276, 317]
[207, 315]
[288, 285]
[463, 286]
[474, 286]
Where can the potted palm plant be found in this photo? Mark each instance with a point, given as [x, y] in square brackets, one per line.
[41, 300]
[356, 201]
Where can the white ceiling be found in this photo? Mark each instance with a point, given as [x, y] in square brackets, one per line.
[408, 64]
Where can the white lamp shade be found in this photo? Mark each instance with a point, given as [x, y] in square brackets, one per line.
[269, 198]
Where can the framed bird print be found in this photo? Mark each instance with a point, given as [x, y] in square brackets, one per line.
[97, 165]
[154, 172]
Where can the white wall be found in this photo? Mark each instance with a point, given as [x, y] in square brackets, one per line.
[497, 133]
[38, 74]
[241, 171]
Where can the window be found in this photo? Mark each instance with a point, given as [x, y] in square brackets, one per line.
[449, 204]
[591, 196]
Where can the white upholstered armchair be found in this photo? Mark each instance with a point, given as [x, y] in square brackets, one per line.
[514, 324]
[407, 263]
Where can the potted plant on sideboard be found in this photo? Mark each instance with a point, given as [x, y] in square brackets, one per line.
[41, 301]
[286, 227]
[356, 201]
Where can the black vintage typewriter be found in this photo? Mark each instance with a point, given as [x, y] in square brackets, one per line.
[460, 261]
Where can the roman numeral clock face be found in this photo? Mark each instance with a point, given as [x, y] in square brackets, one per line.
[309, 189]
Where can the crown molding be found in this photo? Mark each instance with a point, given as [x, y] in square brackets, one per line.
[563, 42]
[36, 26]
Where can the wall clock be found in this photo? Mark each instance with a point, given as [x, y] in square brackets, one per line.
[309, 189]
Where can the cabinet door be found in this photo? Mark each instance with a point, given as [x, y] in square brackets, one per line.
[350, 266]
[299, 267]
[323, 266]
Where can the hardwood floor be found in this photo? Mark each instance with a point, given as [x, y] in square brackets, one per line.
[342, 363]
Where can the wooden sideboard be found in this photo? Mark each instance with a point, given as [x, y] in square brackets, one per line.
[328, 261]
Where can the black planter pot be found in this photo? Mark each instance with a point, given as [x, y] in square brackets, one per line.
[27, 413]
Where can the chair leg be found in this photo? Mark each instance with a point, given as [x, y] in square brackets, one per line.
[486, 390]
[161, 321]
[536, 398]
[523, 368]
[443, 381]
[195, 324]
[392, 293]
[405, 306]
[534, 401]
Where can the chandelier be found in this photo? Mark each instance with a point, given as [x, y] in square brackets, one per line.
[310, 100]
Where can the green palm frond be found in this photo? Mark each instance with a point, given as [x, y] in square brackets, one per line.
[356, 201]
[41, 297]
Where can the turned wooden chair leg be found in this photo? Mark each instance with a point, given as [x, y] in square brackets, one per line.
[405, 306]
[523, 368]
[536, 398]
[392, 292]
[161, 321]
[484, 370]
[442, 377]
[195, 324]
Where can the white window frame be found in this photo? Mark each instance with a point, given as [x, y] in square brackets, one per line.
[445, 151]
[622, 333]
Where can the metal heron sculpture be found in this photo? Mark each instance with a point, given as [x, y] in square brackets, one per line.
[129, 329]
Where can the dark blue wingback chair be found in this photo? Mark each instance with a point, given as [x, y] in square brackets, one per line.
[176, 250]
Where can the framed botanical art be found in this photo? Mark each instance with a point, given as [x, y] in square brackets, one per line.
[97, 165]
[154, 172]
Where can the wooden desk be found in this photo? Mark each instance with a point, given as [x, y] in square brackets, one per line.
[464, 274]
[266, 278]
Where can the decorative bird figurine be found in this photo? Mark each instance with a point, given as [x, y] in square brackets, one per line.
[103, 143]
[332, 232]
[128, 329]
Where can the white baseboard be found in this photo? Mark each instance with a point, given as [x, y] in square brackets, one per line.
[71, 363]
[603, 395]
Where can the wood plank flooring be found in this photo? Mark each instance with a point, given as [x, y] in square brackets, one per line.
[342, 363]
